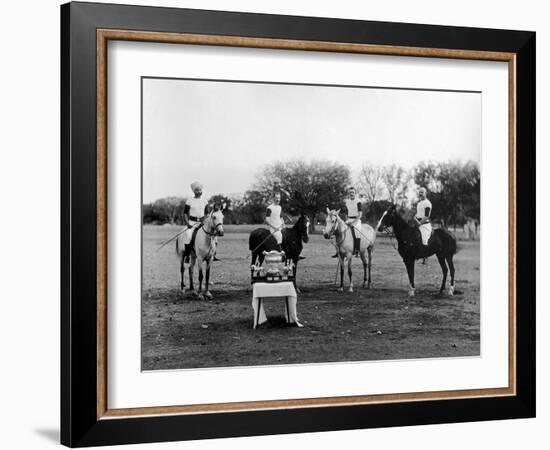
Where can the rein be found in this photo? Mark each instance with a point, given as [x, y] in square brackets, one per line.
[212, 233]
[215, 229]
[335, 226]
[391, 236]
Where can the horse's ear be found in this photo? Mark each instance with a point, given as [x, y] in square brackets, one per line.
[328, 210]
[337, 212]
[216, 207]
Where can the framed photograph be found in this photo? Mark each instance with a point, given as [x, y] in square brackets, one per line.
[278, 224]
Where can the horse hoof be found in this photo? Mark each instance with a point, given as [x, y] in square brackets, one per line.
[451, 290]
[208, 295]
[411, 293]
[340, 289]
[350, 289]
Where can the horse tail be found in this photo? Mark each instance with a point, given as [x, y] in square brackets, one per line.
[177, 247]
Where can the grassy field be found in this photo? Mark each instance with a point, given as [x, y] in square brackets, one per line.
[181, 331]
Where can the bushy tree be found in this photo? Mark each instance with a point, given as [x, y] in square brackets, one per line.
[454, 189]
[164, 210]
[221, 200]
[307, 187]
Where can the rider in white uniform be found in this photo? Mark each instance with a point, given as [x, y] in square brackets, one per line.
[274, 219]
[193, 214]
[423, 211]
[354, 210]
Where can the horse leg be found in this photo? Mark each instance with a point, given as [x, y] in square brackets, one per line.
[182, 272]
[191, 269]
[410, 271]
[207, 293]
[452, 270]
[443, 265]
[364, 261]
[294, 270]
[350, 289]
[369, 250]
[341, 288]
[200, 279]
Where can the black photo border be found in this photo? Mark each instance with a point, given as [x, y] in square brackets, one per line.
[81, 425]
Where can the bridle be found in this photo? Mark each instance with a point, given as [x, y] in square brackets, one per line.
[386, 229]
[335, 227]
[214, 230]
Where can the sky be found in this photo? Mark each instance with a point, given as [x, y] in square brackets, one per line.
[222, 133]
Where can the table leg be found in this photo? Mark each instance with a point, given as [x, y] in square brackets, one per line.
[287, 310]
[258, 312]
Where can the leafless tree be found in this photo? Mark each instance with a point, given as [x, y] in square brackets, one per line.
[395, 180]
[371, 181]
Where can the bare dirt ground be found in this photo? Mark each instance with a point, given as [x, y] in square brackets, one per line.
[180, 331]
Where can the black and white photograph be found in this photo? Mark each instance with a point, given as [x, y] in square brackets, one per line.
[296, 224]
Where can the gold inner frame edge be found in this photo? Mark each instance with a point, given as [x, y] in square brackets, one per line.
[103, 36]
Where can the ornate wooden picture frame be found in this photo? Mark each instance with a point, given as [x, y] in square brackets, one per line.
[86, 418]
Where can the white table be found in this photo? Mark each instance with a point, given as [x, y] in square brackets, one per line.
[283, 289]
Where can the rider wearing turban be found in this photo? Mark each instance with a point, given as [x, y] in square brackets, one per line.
[194, 211]
[196, 207]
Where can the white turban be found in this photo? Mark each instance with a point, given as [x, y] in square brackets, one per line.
[196, 185]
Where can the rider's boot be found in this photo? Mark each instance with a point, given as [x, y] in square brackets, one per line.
[186, 252]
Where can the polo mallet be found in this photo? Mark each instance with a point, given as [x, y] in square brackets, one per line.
[172, 238]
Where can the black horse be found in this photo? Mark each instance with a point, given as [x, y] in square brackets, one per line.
[442, 243]
[261, 240]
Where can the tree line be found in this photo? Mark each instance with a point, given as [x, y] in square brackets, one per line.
[311, 186]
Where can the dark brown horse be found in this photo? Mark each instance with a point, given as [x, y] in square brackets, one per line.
[442, 243]
[261, 240]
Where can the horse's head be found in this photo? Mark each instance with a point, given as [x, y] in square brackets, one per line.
[331, 223]
[387, 219]
[216, 221]
[303, 227]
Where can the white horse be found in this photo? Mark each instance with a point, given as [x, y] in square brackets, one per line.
[203, 250]
[341, 231]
